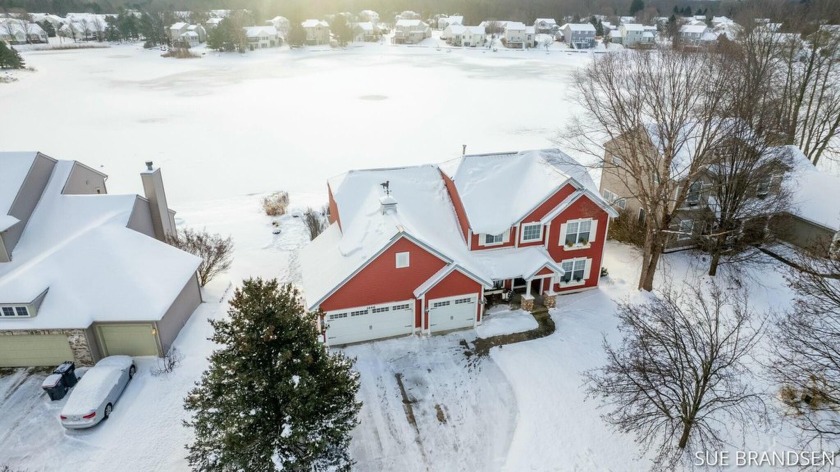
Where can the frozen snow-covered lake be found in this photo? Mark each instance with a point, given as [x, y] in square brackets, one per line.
[228, 124]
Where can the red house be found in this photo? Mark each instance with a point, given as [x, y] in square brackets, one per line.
[417, 249]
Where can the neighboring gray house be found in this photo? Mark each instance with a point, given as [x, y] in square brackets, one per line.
[546, 26]
[83, 274]
[579, 35]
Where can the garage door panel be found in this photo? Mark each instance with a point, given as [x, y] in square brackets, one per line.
[451, 313]
[127, 339]
[368, 323]
[34, 350]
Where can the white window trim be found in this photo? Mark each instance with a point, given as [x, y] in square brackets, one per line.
[407, 260]
[522, 232]
[505, 239]
[499, 243]
[587, 272]
[593, 228]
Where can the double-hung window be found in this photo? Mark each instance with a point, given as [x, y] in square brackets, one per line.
[578, 232]
[693, 196]
[574, 270]
[686, 230]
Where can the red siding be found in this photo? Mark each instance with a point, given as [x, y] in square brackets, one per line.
[333, 208]
[463, 222]
[476, 247]
[545, 208]
[453, 284]
[582, 208]
[381, 282]
[545, 271]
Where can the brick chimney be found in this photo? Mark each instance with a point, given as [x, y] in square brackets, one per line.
[163, 220]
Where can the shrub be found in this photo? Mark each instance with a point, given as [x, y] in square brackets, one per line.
[626, 229]
[276, 203]
[180, 53]
[215, 251]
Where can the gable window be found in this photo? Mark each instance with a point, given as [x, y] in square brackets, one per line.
[402, 260]
[578, 232]
[693, 196]
[575, 271]
[686, 230]
[531, 232]
[763, 187]
[494, 238]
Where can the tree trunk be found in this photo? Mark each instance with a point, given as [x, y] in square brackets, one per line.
[713, 267]
[685, 433]
[649, 268]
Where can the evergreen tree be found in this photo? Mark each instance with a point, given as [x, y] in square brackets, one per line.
[297, 35]
[273, 397]
[636, 6]
[10, 58]
[47, 27]
[222, 38]
[342, 30]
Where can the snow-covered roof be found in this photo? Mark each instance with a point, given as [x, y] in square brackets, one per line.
[179, 25]
[693, 29]
[815, 193]
[615, 34]
[79, 249]
[257, 31]
[515, 25]
[407, 23]
[314, 23]
[424, 214]
[194, 27]
[530, 30]
[476, 30]
[581, 26]
[510, 263]
[498, 190]
[456, 28]
[14, 166]
[633, 27]
[452, 20]
[548, 21]
[365, 26]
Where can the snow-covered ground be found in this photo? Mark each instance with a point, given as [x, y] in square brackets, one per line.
[228, 128]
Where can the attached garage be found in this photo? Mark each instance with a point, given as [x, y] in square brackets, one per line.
[34, 350]
[130, 339]
[368, 323]
[446, 314]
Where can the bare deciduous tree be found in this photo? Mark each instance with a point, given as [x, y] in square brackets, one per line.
[652, 120]
[807, 350]
[679, 370]
[315, 222]
[215, 251]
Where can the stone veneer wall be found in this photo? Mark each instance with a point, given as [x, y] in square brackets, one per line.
[77, 338]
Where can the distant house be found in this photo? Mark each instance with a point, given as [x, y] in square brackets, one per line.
[199, 31]
[177, 29]
[212, 23]
[84, 274]
[16, 31]
[317, 32]
[445, 21]
[366, 32]
[261, 37]
[369, 16]
[692, 34]
[546, 26]
[634, 35]
[579, 35]
[411, 31]
[280, 23]
[454, 34]
[474, 36]
[814, 216]
[515, 35]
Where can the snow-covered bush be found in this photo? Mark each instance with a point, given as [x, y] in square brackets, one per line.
[276, 203]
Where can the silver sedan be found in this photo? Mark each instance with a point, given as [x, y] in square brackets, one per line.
[94, 396]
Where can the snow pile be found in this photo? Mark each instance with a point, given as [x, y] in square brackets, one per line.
[504, 321]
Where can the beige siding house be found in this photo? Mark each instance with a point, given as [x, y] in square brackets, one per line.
[84, 274]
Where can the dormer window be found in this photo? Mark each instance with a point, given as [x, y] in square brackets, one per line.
[494, 239]
[15, 311]
[693, 196]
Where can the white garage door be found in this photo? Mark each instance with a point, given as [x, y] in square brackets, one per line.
[372, 322]
[452, 313]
